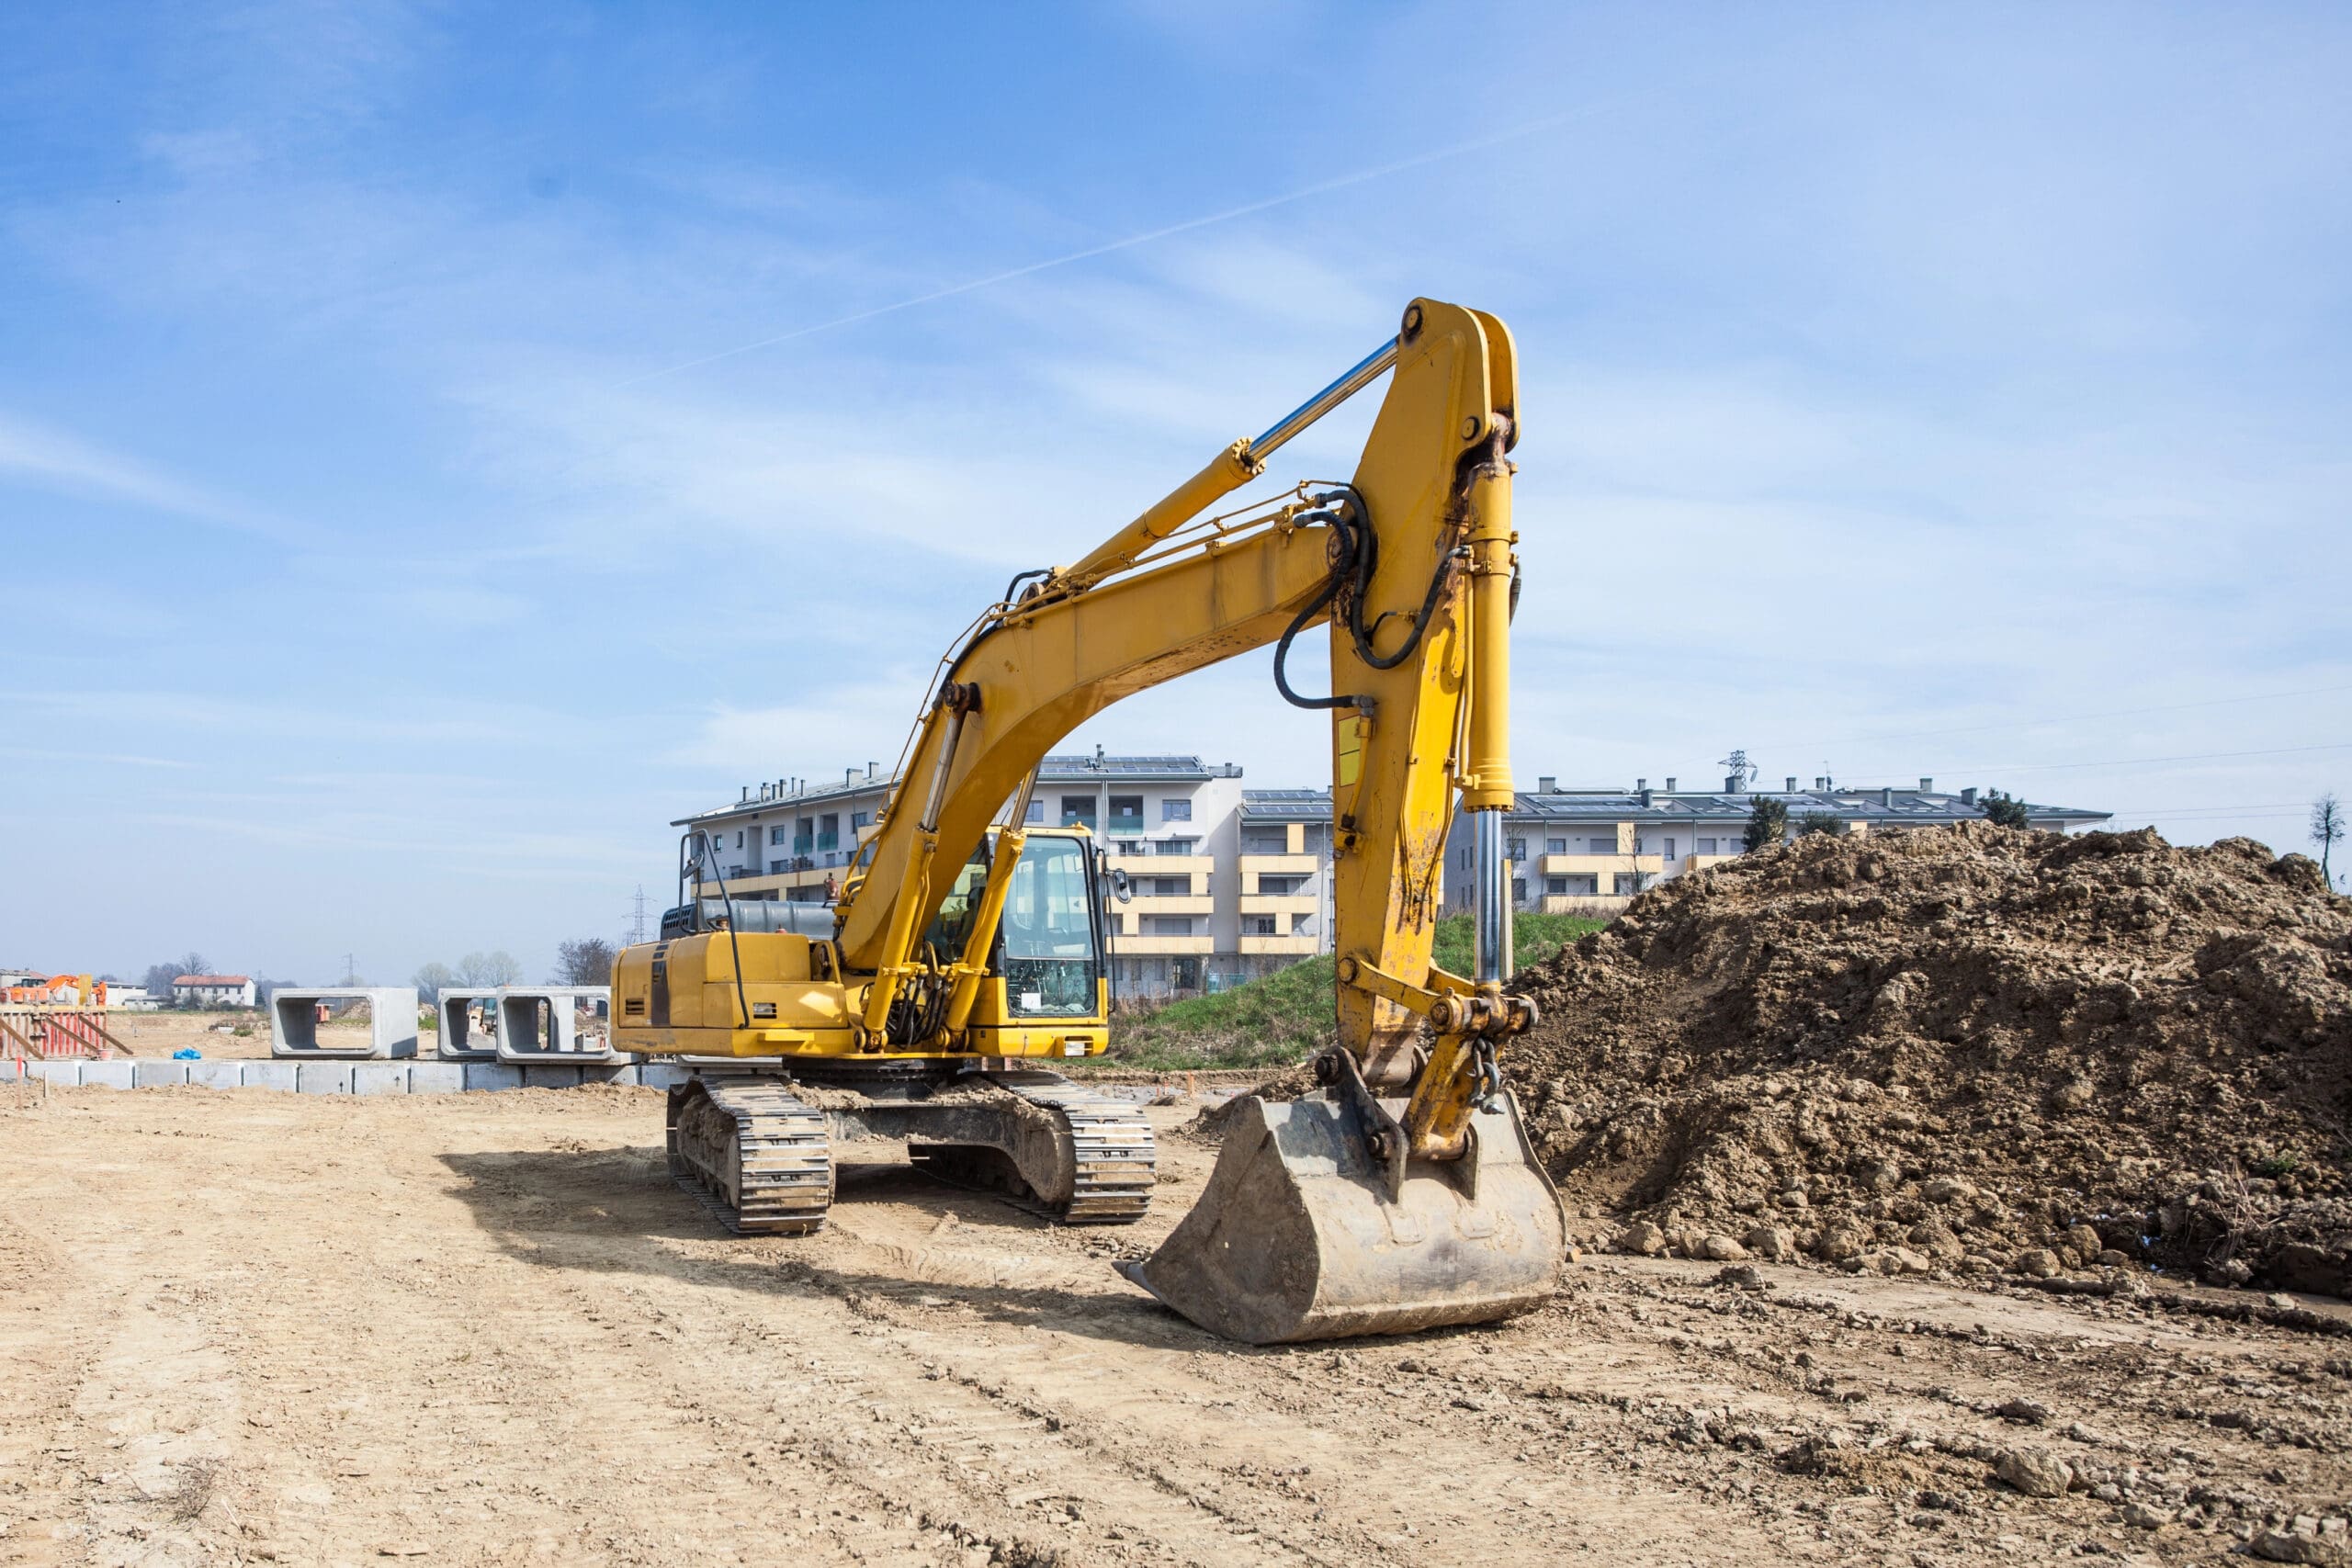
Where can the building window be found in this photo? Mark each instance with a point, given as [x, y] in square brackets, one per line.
[1174, 810]
[1555, 886]
[1127, 846]
[1705, 846]
[778, 867]
[778, 834]
[1126, 812]
[860, 820]
[1279, 886]
[1263, 843]
[1259, 925]
[1669, 849]
[1036, 811]
[1077, 811]
[1178, 846]
[1172, 886]
[1603, 846]
[1518, 849]
[739, 838]
[1628, 882]
[1556, 846]
[1171, 925]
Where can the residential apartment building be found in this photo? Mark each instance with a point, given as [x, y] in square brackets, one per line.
[1590, 850]
[1225, 883]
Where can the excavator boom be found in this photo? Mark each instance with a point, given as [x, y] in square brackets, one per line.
[1404, 1193]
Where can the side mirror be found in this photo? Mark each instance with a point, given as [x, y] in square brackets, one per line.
[1123, 887]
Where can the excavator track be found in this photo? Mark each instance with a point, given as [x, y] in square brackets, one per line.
[1111, 1141]
[755, 1156]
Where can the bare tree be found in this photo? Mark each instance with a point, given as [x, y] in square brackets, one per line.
[2327, 829]
[587, 962]
[495, 968]
[432, 979]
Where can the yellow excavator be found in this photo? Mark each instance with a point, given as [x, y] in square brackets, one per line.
[966, 949]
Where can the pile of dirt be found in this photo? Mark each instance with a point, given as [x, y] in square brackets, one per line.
[1969, 1048]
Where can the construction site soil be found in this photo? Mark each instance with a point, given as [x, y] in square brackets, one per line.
[242, 1327]
[1971, 1048]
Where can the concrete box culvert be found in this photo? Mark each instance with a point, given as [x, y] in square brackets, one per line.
[322, 1078]
[541, 1023]
[294, 1029]
[469, 1031]
[217, 1075]
[380, 1077]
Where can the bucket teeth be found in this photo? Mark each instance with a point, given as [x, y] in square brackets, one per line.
[758, 1159]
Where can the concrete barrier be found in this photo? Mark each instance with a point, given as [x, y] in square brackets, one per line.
[380, 1077]
[158, 1075]
[461, 1041]
[486, 1075]
[539, 1075]
[280, 1077]
[62, 1075]
[322, 1078]
[536, 1023]
[108, 1075]
[216, 1074]
[619, 1073]
[391, 1016]
[436, 1078]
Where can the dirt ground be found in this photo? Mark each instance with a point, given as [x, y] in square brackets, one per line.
[245, 1326]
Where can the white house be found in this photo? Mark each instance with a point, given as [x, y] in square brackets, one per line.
[214, 990]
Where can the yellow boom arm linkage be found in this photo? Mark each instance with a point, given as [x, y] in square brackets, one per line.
[1410, 565]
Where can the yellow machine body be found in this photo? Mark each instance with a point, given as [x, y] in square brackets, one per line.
[1405, 1192]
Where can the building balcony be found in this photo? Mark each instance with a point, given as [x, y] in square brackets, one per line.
[1601, 905]
[1701, 862]
[1300, 946]
[1153, 946]
[1602, 866]
[1145, 864]
[1280, 903]
[1169, 904]
[1279, 866]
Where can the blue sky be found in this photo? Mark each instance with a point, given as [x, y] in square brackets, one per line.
[402, 529]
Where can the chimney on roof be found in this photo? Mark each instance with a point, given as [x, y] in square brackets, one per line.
[870, 767]
[1669, 784]
[1820, 781]
[1793, 785]
[1546, 785]
[848, 774]
[1926, 786]
[1734, 784]
[1886, 797]
[747, 795]
[1968, 795]
[1642, 784]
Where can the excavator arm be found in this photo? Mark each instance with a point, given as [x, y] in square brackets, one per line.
[1409, 565]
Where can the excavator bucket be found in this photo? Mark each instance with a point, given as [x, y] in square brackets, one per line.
[1301, 1234]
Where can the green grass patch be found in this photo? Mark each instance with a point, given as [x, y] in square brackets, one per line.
[1293, 1014]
